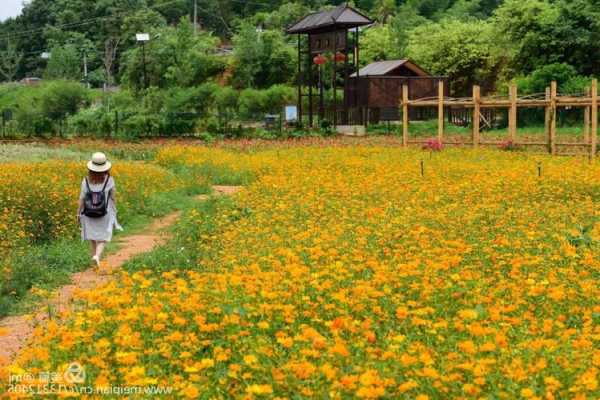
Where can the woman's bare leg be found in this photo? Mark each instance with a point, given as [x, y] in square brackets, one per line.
[99, 249]
[93, 247]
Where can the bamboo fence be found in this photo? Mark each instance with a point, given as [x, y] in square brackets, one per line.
[550, 101]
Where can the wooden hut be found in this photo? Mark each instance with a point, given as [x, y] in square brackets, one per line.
[379, 88]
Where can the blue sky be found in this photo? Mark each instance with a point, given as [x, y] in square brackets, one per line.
[10, 8]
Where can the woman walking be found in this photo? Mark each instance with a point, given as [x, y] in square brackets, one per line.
[97, 211]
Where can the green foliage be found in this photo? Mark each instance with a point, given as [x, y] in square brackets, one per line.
[565, 76]
[48, 265]
[62, 98]
[379, 44]
[406, 19]
[464, 51]
[485, 42]
[226, 99]
[539, 32]
[262, 59]
[281, 18]
[10, 59]
[174, 57]
[254, 103]
[65, 63]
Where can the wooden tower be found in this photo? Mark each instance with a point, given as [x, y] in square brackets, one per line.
[327, 34]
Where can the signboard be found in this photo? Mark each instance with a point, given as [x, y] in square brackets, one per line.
[142, 37]
[291, 113]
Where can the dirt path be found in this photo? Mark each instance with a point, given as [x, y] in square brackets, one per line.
[16, 330]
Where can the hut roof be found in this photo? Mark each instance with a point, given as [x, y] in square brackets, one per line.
[382, 68]
[342, 16]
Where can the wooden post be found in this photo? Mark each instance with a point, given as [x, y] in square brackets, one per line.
[512, 113]
[405, 115]
[476, 114]
[547, 120]
[441, 95]
[586, 119]
[310, 84]
[553, 91]
[300, 79]
[594, 116]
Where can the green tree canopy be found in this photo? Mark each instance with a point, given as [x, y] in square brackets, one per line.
[174, 57]
[262, 59]
[464, 51]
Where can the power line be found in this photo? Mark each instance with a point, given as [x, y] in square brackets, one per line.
[85, 21]
[117, 15]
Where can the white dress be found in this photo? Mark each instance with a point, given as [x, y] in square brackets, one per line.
[100, 229]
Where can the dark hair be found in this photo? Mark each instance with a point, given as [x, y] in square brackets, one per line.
[97, 177]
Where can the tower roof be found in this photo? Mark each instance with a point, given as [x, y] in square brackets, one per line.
[340, 17]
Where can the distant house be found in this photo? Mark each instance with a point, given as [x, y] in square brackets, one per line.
[31, 81]
[392, 68]
[379, 88]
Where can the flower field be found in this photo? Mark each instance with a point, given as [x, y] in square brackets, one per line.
[39, 200]
[347, 273]
[38, 206]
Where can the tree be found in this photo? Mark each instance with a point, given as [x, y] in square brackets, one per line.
[10, 59]
[379, 43]
[429, 8]
[465, 9]
[111, 46]
[262, 59]
[174, 57]
[281, 18]
[384, 9]
[464, 51]
[524, 28]
[401, 24]
[64, 63]
[62, 98]
[565, 76]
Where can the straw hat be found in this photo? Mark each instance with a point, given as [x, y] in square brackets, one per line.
[99, 163]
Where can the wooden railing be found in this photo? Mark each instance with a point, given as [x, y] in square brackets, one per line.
[550, 101]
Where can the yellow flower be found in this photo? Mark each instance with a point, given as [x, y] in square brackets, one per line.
[259, 389]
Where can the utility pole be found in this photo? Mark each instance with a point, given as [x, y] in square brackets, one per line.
[143, 38]
[144, 61]
[85, 70]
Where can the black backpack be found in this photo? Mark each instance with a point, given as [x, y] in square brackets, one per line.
[95, 204]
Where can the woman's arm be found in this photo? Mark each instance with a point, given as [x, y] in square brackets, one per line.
[79, 209]
[81, 199]
[113, 195]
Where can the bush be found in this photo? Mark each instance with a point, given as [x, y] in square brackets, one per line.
[61, 98]
[565, 76]
[251, 104]
[92, 122]
[254, 104]
[277, 97]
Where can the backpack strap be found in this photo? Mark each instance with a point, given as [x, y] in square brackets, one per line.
[87, 184]
[105, 183]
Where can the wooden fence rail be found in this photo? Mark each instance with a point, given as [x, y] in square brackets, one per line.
[550, 101]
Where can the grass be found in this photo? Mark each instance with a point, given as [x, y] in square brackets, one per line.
[425, 129]
[35, 153]
[179, 251]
